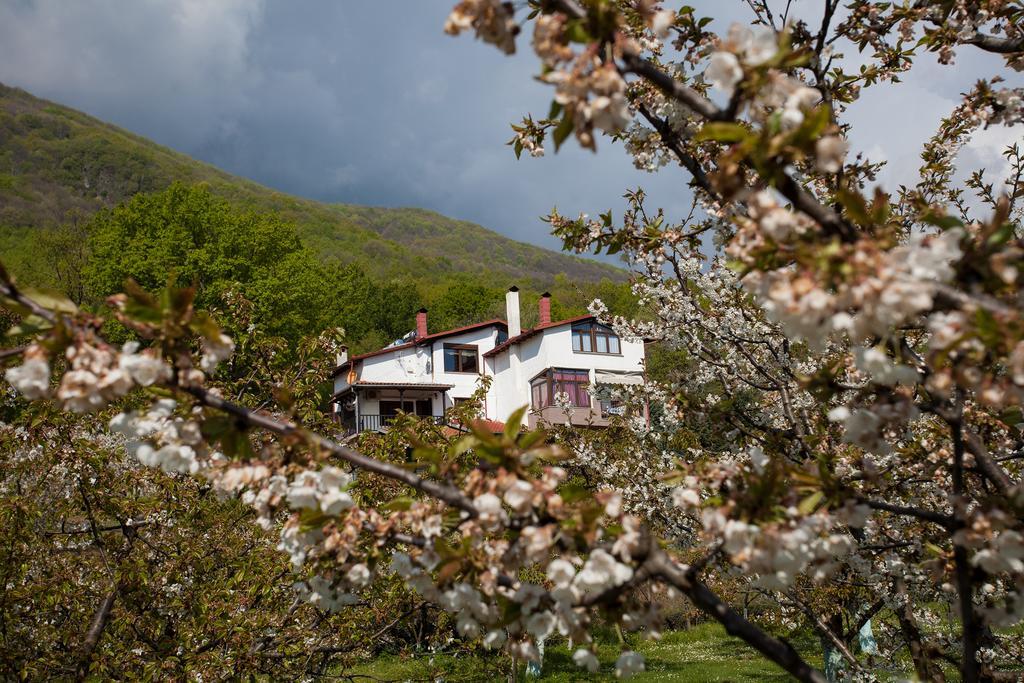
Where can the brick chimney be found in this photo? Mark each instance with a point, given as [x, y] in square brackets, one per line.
[515, 325]
[421, 323]
[544, 309]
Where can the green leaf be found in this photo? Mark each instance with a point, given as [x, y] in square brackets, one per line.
[942, 221]
[814, 123]
[811, 502]
[463, 444]
[720, 131]
[560, 133]
[33, 324]
[855, 205]
[530, 439]
[1002, 235]
[572, 493]
[576, 32]
[400, 504]
[52, 300]
[515, 423]
[224, 431]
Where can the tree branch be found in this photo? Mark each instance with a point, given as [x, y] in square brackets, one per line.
[989, 467]
[1003, 46]
[92, 637]
[779, 651]
[942, 520]
[445, 492]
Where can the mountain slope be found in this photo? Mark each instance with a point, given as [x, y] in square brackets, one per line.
[56, 163]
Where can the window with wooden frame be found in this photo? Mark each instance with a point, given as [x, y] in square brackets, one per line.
[594, 338]
[545, 386]
[461, 358]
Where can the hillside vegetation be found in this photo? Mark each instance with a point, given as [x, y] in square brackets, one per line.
[57, 163]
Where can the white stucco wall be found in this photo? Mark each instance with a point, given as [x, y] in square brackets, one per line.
[511, 370]
[422, 364]
[551, 349]
[465, 383]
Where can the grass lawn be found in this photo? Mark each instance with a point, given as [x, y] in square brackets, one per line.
[703, 653]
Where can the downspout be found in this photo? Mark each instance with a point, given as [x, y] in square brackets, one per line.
[358, 420]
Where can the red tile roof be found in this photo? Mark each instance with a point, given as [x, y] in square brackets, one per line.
[422, 340]
[493, 426]
[526, 334]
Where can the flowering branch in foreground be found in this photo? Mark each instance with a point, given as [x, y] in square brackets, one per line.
[465, 542]
[853, 364]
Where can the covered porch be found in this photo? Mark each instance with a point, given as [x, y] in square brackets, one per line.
[373, 406]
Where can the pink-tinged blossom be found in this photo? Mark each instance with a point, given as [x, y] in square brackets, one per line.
[661, 22]
[492, 20]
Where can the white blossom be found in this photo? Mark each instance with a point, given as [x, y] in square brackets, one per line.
[723, 71]
[215, 351]
[561, 572]
[31, 379]
[585, 659]
[830, 153]
[628, 664]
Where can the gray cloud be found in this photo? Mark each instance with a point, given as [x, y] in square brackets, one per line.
[369, 102]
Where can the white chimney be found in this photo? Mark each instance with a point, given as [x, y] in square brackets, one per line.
[512, 311]
[342, 356]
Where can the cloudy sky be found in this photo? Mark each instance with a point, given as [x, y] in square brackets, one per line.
[369, 102]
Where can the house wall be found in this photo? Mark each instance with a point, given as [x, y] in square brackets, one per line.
[511, 370]
[552, 349]
[464, 383]
[421, 364]
[411, 364]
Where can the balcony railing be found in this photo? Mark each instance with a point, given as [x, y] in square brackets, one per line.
[366, 423]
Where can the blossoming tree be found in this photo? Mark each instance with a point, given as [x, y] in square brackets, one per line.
[851, 392]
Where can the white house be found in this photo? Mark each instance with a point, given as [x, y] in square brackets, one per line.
[427, 373]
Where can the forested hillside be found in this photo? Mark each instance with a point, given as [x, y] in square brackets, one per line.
[85, 205]
[56, 162]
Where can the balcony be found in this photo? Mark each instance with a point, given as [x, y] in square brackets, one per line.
[377, 423]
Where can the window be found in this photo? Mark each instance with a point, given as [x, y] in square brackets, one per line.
[555, 381]
[419, 407]
[501, 338]
[460, 358]
[594, 338]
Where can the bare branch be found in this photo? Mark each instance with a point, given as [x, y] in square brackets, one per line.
[942, 520]
[92, 637]
[1003, 46]
[779, 651]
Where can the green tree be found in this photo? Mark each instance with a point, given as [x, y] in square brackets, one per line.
[465, 301]
[188, 234]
